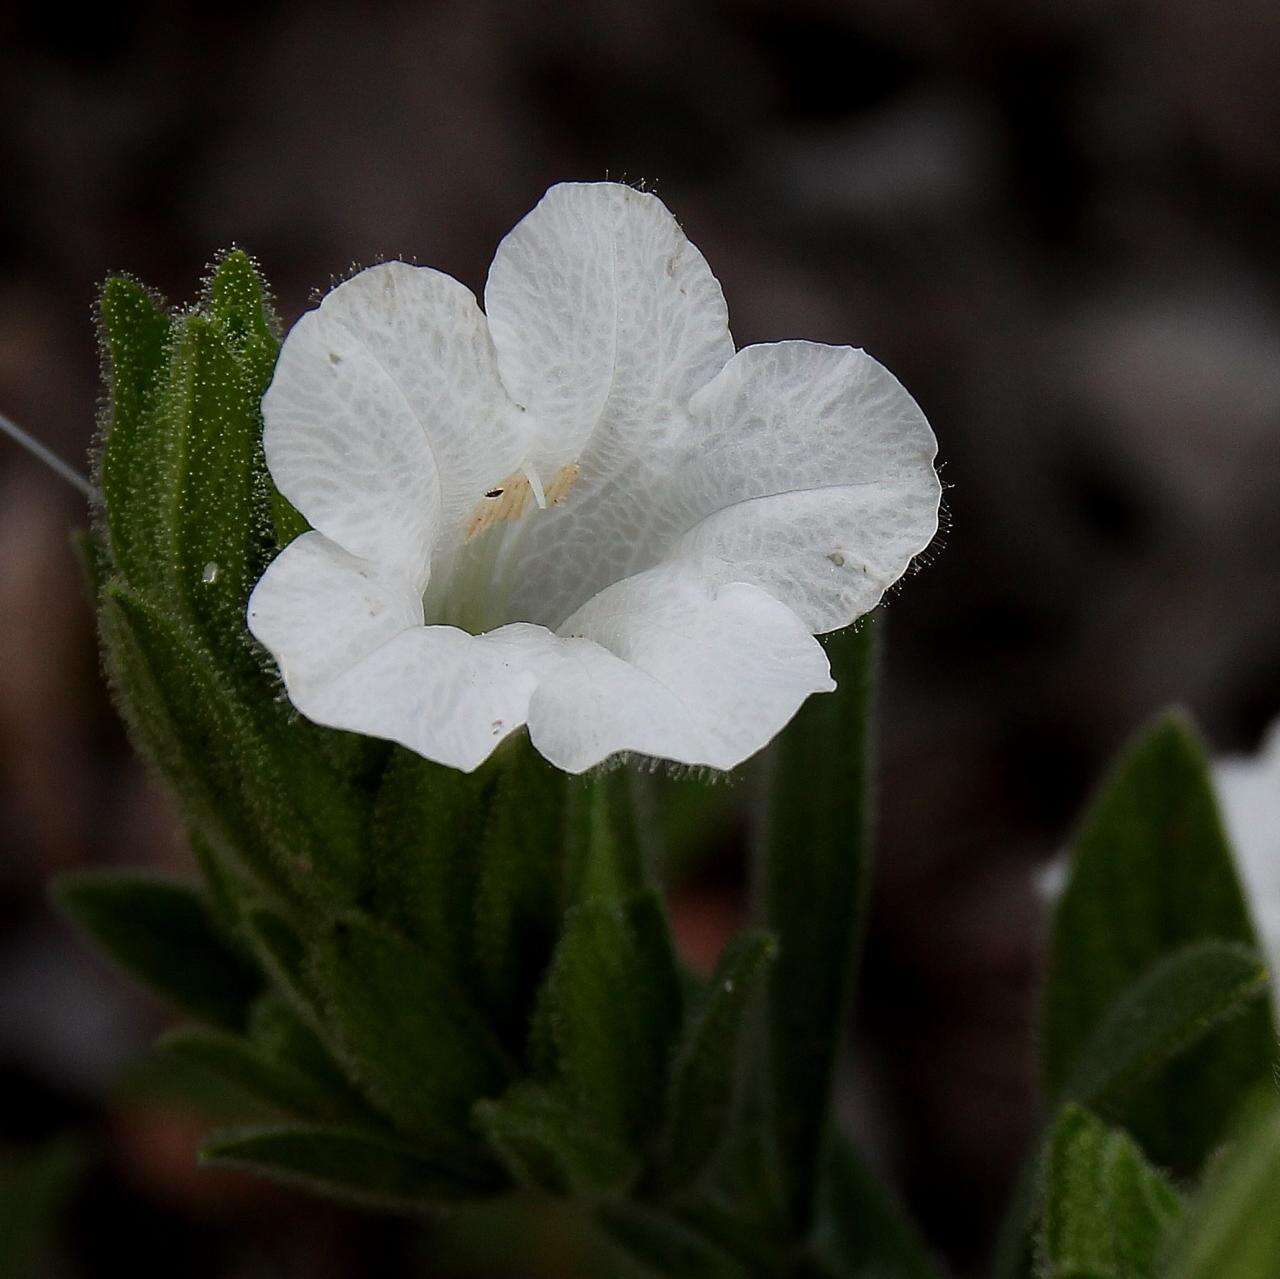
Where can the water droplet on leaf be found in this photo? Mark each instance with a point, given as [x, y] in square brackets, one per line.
[209, 575]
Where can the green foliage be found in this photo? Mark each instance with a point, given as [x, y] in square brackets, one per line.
[705, 1064]
[860, 1229]
[34, 1188]
[409, 1037]
[1151, 873]
[612, 1002]
[163, 934]
[1177, 1003]
[1233, 1227]
[1107, 1211]
[544, 1141]
[345, 1163]
[668, 1246]
[816, 866]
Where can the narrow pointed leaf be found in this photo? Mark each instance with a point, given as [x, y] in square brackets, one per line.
[1233, 1227]
[242, 1063]
[162, 932]
[1151, 872]
[705, 1065]
[860, 1229]
[603, 857]
[1107, 1211]
[345, 1164]
[612, 1004]
[408, 1036]
[546, 1143]
[135, 333]
[816, 866]
[1182, 1000]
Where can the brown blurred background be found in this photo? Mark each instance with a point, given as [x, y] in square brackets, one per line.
[1057, 223]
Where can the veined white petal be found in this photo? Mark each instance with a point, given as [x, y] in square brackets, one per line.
[809, 472]
[603, 315]
[354, 654]
[670, 665]
[803, 468]
[386, 420]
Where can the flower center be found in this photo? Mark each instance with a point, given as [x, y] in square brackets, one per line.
[508, 501]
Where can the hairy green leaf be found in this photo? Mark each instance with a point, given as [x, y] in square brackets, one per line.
[1151, 873]
[612, 1002]
[408, 1036]
[1107, 1211]
[162, 932]
[1233, 1227]
[705, 1065]
[816, 867]
[545, 1142]
[346, 1164]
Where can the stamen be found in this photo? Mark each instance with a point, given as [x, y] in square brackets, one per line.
[51, 460]
[510, 499]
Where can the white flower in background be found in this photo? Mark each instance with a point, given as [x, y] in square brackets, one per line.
[1249, 795]
[581, 510]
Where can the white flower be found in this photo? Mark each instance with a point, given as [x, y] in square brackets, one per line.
[581, 511]
[1249, 795]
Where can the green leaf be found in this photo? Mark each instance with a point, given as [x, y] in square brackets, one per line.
[612, 1002]
[33, 1191]
[246, 775]
[665, 1245]
[705, 1065]
[346, 1164]
[428, 822]
[162, 933]
[1233, 1227]
[515, 913]
[236, 296]
[135, 334]
[816, 866]
[603, 857]
[860, 1229]
[545, 1142]
[1151, 873]
[213, 514]
[407, 1035]
[1179, 1002]
[275, 1083]
[1107, 1210]
[283, 956]
[93, 558]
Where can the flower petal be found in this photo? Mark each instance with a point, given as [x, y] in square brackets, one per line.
[803, 468]
[354, 654]
[603, 314]
[669, 665]
[811, 474]
[386, 421]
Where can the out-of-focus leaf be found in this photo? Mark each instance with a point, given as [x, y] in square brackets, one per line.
[236, 1059]
[860, 1230]
[816, 866]
[666, 1245]
[163, 934]
[1151, 872]
[612, 1001]
[705, 1064]
[33, 1190]
[545, 1142]
[407, 1035]
[1107, 1211]
[1233, 1227]
[1182, 999]
[345, 1164]
[603, 857]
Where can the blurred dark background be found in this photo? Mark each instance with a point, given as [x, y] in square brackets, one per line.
[1056, 223]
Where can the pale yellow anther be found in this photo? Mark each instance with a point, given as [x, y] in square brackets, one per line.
[508, 501]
